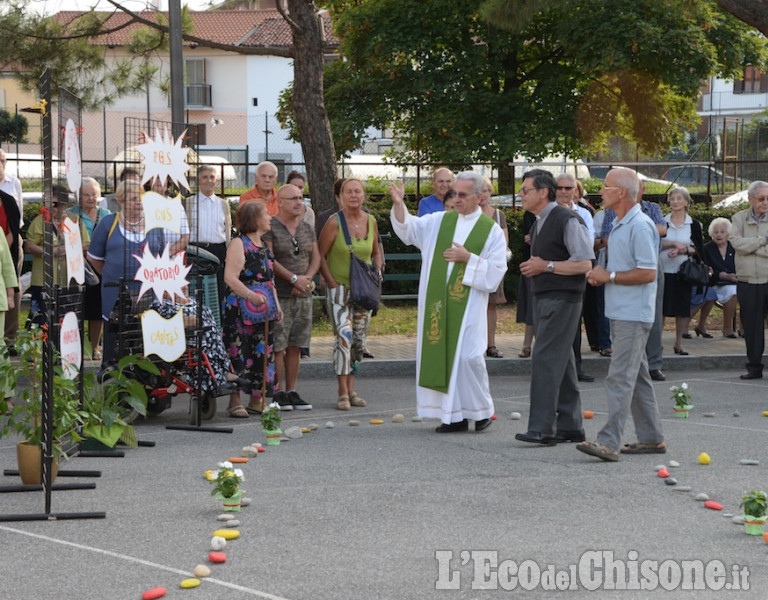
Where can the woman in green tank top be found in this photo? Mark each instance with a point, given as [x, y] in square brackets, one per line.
[349, 322]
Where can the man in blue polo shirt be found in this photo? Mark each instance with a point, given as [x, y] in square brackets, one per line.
[630, 295]
[442, 183]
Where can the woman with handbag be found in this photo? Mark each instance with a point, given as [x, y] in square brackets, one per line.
[682, 241]
[90, 214]
[249, 306]
[349, 320]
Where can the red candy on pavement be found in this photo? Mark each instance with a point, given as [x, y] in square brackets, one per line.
[713, 505]
[663, 473]
[157, 592]
[493, 417]
[217, 557]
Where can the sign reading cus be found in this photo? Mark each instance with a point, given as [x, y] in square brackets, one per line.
[162, 274]
[69, 342]
[161, 212]
[163, 337]
[73, 246]
[163, 158]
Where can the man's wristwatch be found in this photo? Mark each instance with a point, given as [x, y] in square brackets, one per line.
[551, 267]
[612, 277]
[294, 279]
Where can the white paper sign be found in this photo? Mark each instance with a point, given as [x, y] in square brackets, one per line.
[73, 244]
[161, 212]
[164, 158]
[163, 337]
[69, 343]
[162, 274]
[72, 164]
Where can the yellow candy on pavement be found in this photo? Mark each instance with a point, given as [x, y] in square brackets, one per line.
[190, 583]
[376, 421]
[765, 413]
[210, 475]
[227, 534]
[305, 430]
[704, 458]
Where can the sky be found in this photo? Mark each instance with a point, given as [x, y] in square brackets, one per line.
[54, 6]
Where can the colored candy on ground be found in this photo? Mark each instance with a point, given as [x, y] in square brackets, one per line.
[210, 475]
[493, 417]
[217, 557]
[154, 593]
[588, 414]
[190, 583]
[376, 421]
[765, 413]
[238, 459]
[201, 571]
[398, 418]
[663, 473]
[765, 536]
[704, 458]
[305, 430]
[713, 505]
[670, 481]
[227, 534]
[218, 543]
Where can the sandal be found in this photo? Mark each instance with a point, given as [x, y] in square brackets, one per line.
[493, 352]
[598, 450]
[525, 353]
[605, 351]
[343, 402]
[644, 448]
[97, 354]
[254, 410]
[356, 400]
[237, 412]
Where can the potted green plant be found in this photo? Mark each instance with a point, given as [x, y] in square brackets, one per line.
[226, 486]
[25, 419]
[109, 405]
[755, 506]
[681, 394]
[270, 421]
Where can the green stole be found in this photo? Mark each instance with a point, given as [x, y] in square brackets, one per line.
[446, 303]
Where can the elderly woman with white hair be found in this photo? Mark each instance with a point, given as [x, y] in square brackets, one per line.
[720, 255]
[89, 213]
[683, 239]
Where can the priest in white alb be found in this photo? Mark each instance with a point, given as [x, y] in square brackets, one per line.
[463, 259]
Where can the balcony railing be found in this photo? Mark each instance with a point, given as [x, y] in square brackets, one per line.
[197, 95]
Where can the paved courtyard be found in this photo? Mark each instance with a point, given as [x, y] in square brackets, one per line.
[396, 511]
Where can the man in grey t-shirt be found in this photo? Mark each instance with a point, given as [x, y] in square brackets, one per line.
[297, 260]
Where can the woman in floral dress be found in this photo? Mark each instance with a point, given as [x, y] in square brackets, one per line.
[249, 261]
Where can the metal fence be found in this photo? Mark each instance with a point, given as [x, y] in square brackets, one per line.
[238, 144]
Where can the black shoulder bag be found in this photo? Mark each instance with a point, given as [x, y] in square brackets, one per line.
[364, 279]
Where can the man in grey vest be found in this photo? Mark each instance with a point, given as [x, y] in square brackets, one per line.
[561, 254]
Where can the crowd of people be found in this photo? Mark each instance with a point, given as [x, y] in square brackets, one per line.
[616, 269]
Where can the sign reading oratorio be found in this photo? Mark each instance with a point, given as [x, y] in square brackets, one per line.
[73, 246]
[163, 158]
[162, 274]
[163, 337]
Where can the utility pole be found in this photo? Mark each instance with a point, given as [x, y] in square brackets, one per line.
[177, 68]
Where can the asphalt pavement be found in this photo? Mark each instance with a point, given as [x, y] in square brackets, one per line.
[396, 511]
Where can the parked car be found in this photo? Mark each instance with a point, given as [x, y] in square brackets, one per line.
[697, 175]
[733, 200]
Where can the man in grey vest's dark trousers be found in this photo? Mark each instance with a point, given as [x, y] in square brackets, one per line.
[561, 254]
